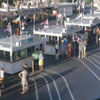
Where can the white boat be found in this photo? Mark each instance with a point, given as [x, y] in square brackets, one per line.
[55, 33]
[17, 50]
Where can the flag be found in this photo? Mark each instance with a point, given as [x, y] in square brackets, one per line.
[44, 22]
[60, 18]
[92, 2]
[54, 13]
[17, 20]
[34, 16]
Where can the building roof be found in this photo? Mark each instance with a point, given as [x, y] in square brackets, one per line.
[84, 21]
[14, 43]
[25, 7]
[58, 31]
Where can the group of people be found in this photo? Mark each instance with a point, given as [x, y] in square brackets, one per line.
[82, 48]
[76, 47]
[38, 59]
[24, 73]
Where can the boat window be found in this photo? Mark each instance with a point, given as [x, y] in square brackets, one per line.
[16, 55]
[29, 51]
[7, 56]
[33, 49]
[1, 55]
[52, 40]
[23, 53]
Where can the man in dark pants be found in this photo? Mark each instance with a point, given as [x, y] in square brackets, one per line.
[36, 57]
[74, 48]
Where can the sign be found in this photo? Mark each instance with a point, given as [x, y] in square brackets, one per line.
[36, 38]
[30, 40]
[24, 41]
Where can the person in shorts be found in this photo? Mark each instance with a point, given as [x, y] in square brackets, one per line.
[23, 75]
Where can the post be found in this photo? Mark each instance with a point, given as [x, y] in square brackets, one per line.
[34, 22]
[72, 1]
[32, 66]
[7, 6]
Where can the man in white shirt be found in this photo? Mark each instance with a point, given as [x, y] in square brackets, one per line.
[81, 49]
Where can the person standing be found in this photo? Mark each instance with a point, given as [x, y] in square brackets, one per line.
[41, 61]
[23, 75]
[0, 84]
[69, 50]
[85, 43]
[2, 77]
[57, 51]
[17, 32]
[62, 47]
[74, 48]
[25, 65]
[66, 43]
[0, 87]
[36, 57]
[81, 49]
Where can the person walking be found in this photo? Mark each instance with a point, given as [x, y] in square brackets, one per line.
[41, 61]
[23, 75]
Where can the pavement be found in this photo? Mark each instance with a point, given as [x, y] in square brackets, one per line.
[74, 79]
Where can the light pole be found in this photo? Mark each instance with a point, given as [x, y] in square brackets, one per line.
[7, 6]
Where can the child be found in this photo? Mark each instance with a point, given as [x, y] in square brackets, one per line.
[2, 77]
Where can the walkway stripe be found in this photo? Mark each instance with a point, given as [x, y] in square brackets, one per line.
[36, 90]
[93, 51]
[95, 60]
[66, 83]
[59, 96]
[94, 64]
[96, 56]
[89, 69]
[47, 87]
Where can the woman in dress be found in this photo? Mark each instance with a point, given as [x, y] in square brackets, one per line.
[69, 50]
[41, 61]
